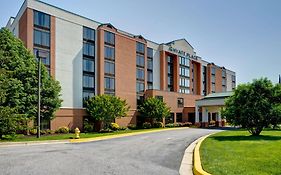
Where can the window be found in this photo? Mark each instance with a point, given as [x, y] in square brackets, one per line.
[180, 102]
[224, 82]
[87, 95]
[149, 52]
[88, 34]
[149, 85]
[109, 38]
[184, 90]
[149, 76]
[223, 73]
[109, 68]
[46, 60]
[179, 117]
[109, 83]
[223, 88]
[140, 48]
[233, 78]
[159, 97]
[213, 69]
[170, 80]
[140, 100]
[88, 65]
[169, 59]
[41, 19]
[184, 71]
[184, 61]
[140, 60]
[140, 87]
[41, 38]
[140, 74]
[184, 82]
[149, 64]
[88, 81]
[109, 52]
[213, 79]
[88, 49]
[170, 69]
[213, 88]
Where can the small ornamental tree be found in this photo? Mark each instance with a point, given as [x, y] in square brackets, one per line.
[106, 108]
[254, 105]
[154, 109]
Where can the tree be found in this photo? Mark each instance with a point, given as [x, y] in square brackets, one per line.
[22, 67]
[106, 108]
[252, 105]
[154, 109]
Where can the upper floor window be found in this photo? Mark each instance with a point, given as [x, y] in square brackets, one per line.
[213, 79]
[41, 38]
[149, 76]
[184, 61]
[213, 71]
[149, 64]
[149, 52]
[140, 74]
[88, 81]
[169, 59]
[223, 73]
[109, 83]
[88, 65]
[233, 78]
[140, 87]
[140, 48]
[140, 60]
[184, 71]
[109, 68]
[88, 34]
[109, 52]
[41, 19]
[45, 60]
[88, 49]
[109, 38]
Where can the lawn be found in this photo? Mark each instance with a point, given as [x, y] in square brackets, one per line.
[22, 138]
[236, 152]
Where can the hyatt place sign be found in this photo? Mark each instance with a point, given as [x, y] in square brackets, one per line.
[180, 52]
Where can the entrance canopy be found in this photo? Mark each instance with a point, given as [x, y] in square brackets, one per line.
[210, 106]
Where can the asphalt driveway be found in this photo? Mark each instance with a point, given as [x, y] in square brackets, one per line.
[146, 154]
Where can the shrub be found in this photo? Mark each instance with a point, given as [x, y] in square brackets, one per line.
[63, 130]
[122, 128]
[146, 125]
[132, 126]
[33, 131]
[48, 131]
[158, 125]
[114, 126]
[42, 132]
[170, 125]
[105, 130]
[88, 127]
[186, 124]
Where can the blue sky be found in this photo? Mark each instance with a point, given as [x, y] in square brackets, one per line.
[243, 36]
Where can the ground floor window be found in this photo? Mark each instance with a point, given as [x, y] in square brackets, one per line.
[179, 117]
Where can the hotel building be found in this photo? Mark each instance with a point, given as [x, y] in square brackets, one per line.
[91, 58]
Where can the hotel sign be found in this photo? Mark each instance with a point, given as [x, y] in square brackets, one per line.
[181, 52]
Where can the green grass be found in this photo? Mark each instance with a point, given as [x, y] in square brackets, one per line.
[236, 152]
[22, 138]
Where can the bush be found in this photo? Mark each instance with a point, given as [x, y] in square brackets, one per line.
[48, 131]
[132, 126]
[170, 125]
[146, 125]
[88, 127]
[33, 131]
[114, 126]
[42, 132]
[63, 130]
[186, 124]
[158, 125]
[105, 130]
[122, 128]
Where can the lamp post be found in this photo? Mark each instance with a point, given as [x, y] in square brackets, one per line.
[39, 55]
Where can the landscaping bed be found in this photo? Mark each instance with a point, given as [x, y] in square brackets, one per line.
[237, 152]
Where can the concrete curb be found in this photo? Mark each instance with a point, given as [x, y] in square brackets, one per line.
[197, 166]
[46, 142]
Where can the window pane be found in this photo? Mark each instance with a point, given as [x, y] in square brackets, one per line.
[109, 68]
[41, 19]
[109, 38]
[140, 47]
[109, 83]
[149, 64]
[149, 52]
[41, 38]
[109, 52]
[140, 60]
[140, 74]
[88, 65]
[149, 76]
[140, 87]
[88, 33]
[88, 49]
[88, 81]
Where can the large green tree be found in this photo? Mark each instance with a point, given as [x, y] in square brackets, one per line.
[19, 65]
[106, 108]
[154, 109]
[254, 105]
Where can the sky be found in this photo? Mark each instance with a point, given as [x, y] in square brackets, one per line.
[243, 36]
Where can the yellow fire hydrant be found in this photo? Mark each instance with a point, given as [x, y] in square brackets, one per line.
[77, 133]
